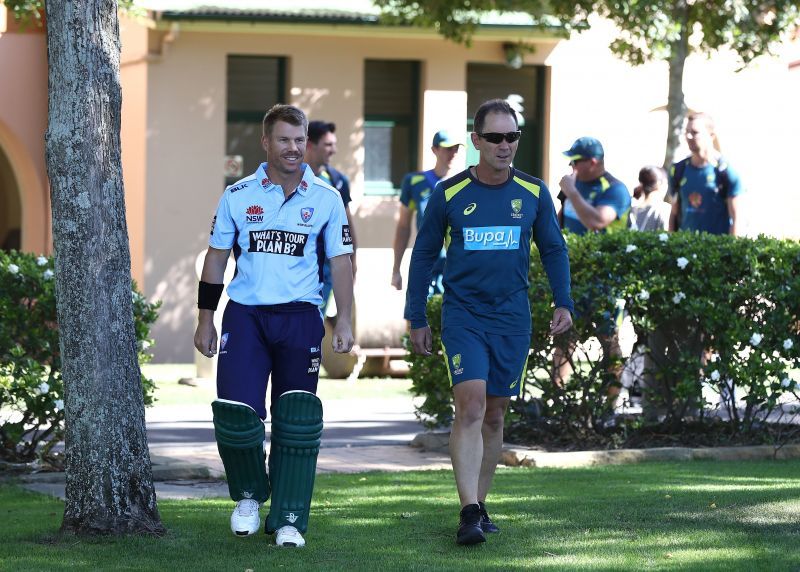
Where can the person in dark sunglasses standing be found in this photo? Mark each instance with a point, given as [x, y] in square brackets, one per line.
[487, 216]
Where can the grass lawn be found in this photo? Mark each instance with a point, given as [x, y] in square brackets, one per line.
[170, 392]
[654, 516]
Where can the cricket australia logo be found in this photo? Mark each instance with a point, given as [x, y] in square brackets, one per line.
[457, 369]
[516, 208]
[306, 213]
[292, 517]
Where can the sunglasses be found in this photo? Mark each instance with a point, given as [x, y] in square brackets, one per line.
[496, 138]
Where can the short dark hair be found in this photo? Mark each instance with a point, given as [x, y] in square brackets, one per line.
[492, 106]
[650, 178]
[317, 128]
[286, 113]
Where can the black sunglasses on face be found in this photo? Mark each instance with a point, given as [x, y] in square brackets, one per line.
[496, 138]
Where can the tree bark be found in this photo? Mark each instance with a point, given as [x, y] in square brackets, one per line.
[109, 486]
[676, 103]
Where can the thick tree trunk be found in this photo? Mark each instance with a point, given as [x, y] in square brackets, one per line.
[676, 104]
[109, 477]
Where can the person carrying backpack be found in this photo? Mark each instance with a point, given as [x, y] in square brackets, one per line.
[704, 187]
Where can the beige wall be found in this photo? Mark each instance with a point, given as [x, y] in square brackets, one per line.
[186, 135]
[23, 122]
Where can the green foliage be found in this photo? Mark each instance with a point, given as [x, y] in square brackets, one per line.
[31, 387]
[713, 312]
[31, 12]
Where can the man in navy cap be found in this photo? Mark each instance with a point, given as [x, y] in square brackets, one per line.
[414, 195]
[593, 201]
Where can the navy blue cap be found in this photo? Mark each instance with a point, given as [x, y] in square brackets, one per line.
[443, 139]
[585, 148]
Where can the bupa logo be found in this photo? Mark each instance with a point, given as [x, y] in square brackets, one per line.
[255, 213]
[492, 238]
[306, 213]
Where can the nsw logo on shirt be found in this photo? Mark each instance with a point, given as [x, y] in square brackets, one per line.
[491, 238]
[255, 213]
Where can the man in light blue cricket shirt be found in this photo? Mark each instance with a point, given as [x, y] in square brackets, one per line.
[274, 220]
[489, 215]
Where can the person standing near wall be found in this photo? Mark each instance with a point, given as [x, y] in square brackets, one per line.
[414, 195]
[704, 187]
[274, 221]
[489, 215]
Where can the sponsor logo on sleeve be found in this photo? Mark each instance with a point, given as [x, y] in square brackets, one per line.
[278, 242]
[213, 224]
[347, 238]
[491, 238]
[254, 213]
[238, 187]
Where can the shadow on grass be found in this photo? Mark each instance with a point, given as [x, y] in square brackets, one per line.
[699, 515]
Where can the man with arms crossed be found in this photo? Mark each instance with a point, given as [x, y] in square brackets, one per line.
[490, 215]
[272, 326]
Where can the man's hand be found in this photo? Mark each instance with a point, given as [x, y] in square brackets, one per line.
[567, 185]
[562, 321]
[397, 280]
[205, 337]
[342, 339]
[422, 340]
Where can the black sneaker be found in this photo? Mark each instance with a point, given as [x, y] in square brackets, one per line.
[469, 530]
[486, 523]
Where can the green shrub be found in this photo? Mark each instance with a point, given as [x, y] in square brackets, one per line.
[713, 311]
[31, 388]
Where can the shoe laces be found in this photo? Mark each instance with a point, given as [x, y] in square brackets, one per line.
[246, 507]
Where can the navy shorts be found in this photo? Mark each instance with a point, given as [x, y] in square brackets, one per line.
[284, 341]
[497, 359]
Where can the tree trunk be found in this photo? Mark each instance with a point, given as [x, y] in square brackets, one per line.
[109, 477]
[676, 104]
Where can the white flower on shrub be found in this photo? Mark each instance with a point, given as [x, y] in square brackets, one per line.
[644, 295]
[715, 375]
[145, 344]
[714, 357]
[44, 387]
[13, 268]
[756, 338]
[786, 382]
[48, 274]
[59, 404]
[694, 256]
[41, 261]
[678, 297]
[663, 237]
[788, 344]
[682, 262]
[630, 248]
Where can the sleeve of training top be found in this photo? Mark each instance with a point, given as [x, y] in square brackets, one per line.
[553, 251]
[616, 197]
[405, 191]
[426, 251]
[735, 183]
[338, 239]
[223, 227]
[343, 186]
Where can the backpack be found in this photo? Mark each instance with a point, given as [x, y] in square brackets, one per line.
[679, 168]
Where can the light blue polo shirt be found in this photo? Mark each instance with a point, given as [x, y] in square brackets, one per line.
[279, 243]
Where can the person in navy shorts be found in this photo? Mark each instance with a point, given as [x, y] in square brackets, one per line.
[276, 221]
[488, 217]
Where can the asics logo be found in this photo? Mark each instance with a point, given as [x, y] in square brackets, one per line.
[470, 208]
[513, 385]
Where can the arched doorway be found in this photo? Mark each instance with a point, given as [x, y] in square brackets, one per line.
[10, 206]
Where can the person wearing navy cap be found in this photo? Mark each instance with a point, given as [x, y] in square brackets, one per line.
[414, 195]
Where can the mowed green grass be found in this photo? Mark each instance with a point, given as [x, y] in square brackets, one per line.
[652, 516]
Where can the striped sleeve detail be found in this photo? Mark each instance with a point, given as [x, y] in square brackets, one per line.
[417, 178]
[450, 192]
[533, 188]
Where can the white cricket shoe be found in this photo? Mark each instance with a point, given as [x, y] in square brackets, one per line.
[289, 536]
[245, 519]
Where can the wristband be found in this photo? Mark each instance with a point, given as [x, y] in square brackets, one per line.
[208, 295]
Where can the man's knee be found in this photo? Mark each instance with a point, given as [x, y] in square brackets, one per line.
[470, 401]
